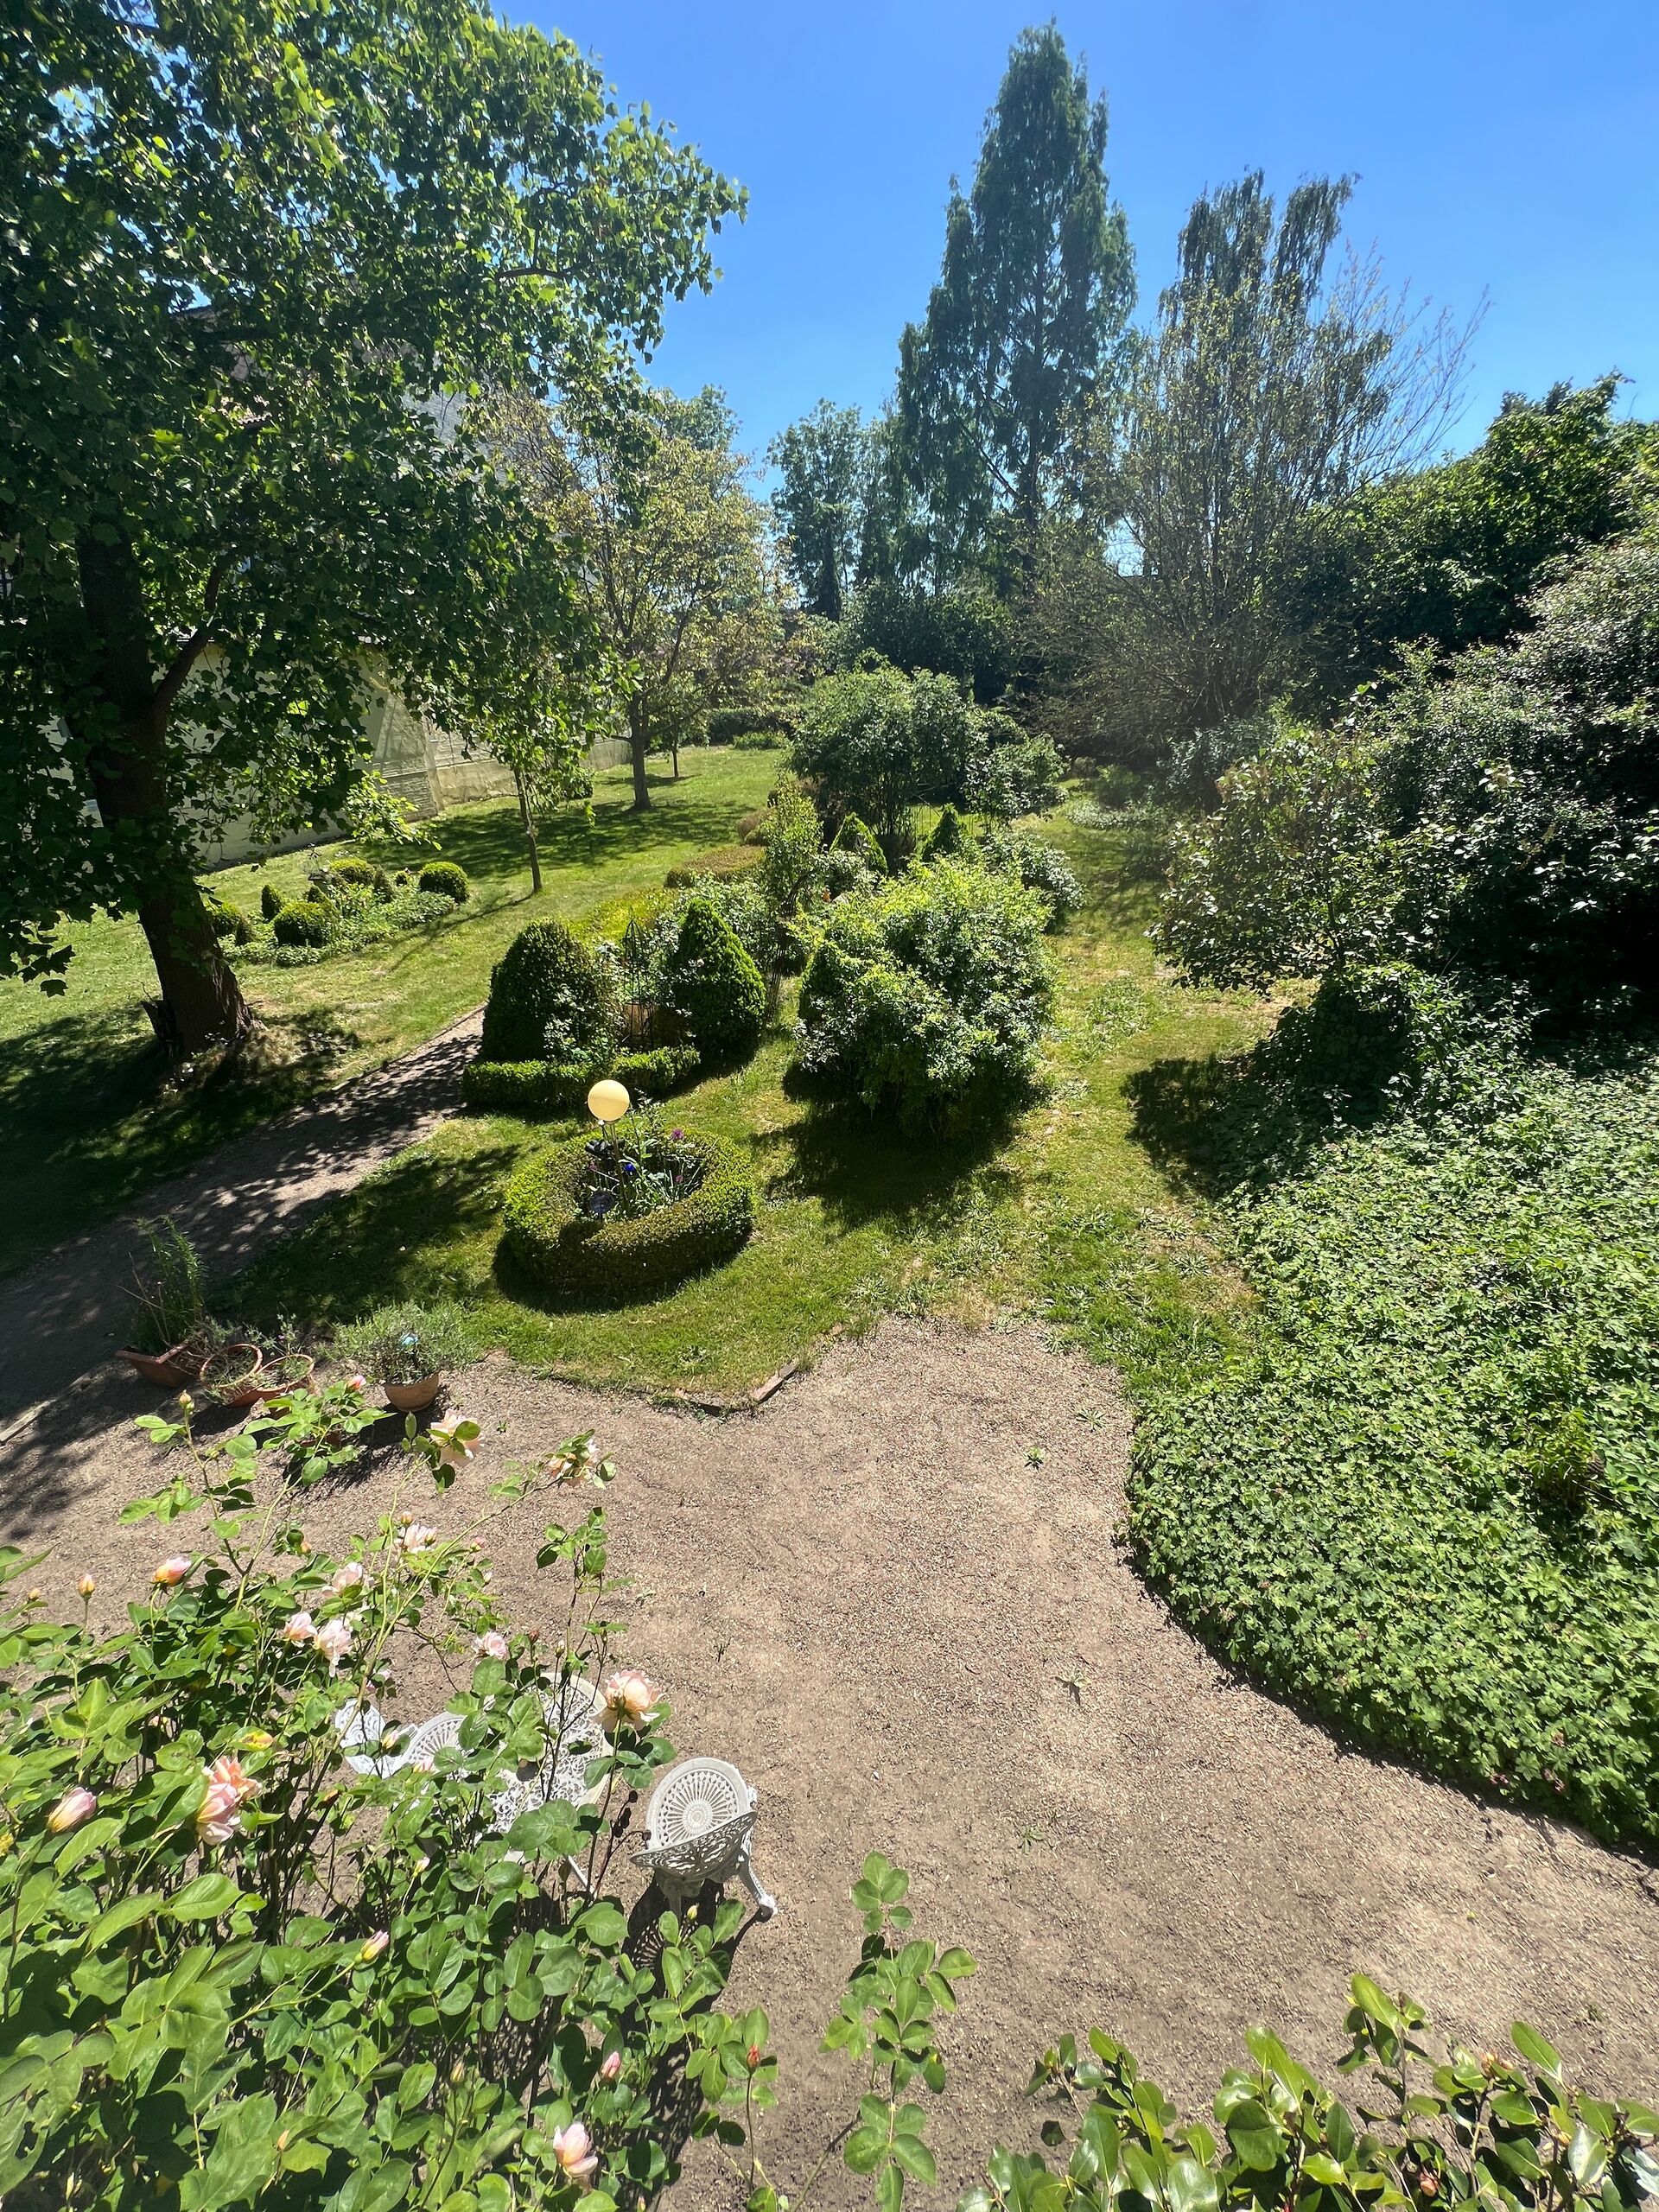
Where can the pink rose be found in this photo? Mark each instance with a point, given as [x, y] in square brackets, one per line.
[171, 1571]
[346, 1578]
[334, 1640]
[610, 2066]
[299, 1628]
[417, 1537]
[574, 2148]
[85, 1585]
[228, 1787]
[627, 1697]
[71, 1809]
[357, 1382]
[492, 1644]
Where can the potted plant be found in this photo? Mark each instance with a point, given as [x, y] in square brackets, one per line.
[230, 1373]
[171, 1332]
[287, 1372]
[408, 1348]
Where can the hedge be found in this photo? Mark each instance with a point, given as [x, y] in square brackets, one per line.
[533, 1087]
[571, 1256]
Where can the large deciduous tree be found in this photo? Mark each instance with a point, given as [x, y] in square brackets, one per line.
[823, 463]
[256, 257]
[1027, 327]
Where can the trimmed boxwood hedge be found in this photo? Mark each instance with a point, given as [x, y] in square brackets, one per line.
[532, 1087]
[572, 1256]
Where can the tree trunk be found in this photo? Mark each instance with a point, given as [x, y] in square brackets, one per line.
[674, 754]
[525, 817]
[201, 1003]
[639, 737]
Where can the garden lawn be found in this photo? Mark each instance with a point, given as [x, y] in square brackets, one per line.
[1063, 1215]
[88, 1119]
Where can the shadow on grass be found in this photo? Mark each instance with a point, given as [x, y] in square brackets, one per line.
[489, 842]
[862, 1169]
[388, 1239]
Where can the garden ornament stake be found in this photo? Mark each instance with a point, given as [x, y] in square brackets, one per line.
[699, 1820]
[608, 1101]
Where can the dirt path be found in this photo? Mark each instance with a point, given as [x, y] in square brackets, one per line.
[895, 1596]
[69, 1310]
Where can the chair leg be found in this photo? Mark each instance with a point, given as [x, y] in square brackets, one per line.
[766, 1904]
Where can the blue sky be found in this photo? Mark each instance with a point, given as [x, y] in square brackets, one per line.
[1503, 147]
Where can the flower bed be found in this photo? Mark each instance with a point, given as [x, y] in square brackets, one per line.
[559, 1232]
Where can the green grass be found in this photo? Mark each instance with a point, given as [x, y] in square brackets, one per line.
[1065, 1215]
[88, 1117]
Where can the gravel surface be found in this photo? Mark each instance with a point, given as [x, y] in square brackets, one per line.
[896, 1596]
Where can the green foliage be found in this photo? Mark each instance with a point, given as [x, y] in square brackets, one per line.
[271, 901]
[855, 836]
[1436, 2128]
[731, 725]
[928, 998]
[792, 836]
[1293, 871]
[303, 922]
[405, 1342]
[369, 875]
[446, 880]
[169, 1288]
[822, 462]
[728, 863]
[550, 1000]
[1027, 326]
[1422, 1498]
[880, 742]
[573, 1256]
[948, 839]
[532, 1088]
[239, 1971]
[713, 986]
[963, 632]
[1450, 555]
[1041, 867]
[1014, 772]
[303, 485]
[356, 918]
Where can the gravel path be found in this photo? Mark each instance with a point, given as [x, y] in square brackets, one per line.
[896, 1596]
[69, 1310]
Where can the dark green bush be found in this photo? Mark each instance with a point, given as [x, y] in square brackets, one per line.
[930, 997]
[366, 876]
[532, 1088]
[572, 1257]
[855, 836]
[448, 880]
[550, 1000]
[1039, 866]
[713, 985]
[950, 837]
[221, 914]
[730, 725]
[271, 901]
[1423, 1499]
[303, 922]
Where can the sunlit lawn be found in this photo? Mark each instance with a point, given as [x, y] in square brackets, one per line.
[1064, 1215]
[88, 1121]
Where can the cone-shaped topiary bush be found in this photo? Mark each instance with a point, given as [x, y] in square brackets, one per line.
[713, 986]
[950, 837]
[271, 901]
[550, 999]
[855, 835]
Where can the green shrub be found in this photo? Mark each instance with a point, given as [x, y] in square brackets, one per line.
[1042, 867]
[1011, 773]
[221, 915]
[303, 922]
[728, 863]
[948, 839]
[550, 1000]
[732, 725]
[533, 1088]
[1423, 1499]
[572, 1256]
[365, 875]
[758, 740]
[406, 1341]
[855, 836]
[929, 996]
[271, 901]
[447, 880]
[713, 986]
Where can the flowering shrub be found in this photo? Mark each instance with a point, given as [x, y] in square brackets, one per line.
[237, 1971]
[637, 1166]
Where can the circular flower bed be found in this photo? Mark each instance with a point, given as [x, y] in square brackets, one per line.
[563, 1226]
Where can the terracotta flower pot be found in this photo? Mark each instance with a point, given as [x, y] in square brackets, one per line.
[413, 1397]
[271, 1387]
[171, 1370]
[240, 1364]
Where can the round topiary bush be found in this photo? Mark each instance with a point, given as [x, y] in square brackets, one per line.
[714, 985]
[302, 921]
[550, 999]
[367, 877]
[573, 1255]
[446, 878]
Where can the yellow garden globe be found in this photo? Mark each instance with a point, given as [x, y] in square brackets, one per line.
[608, 1101]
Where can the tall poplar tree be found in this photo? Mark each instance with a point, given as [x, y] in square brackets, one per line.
[1027, 325]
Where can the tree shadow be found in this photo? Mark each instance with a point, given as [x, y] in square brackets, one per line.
[489, 843]
[863, 1169]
